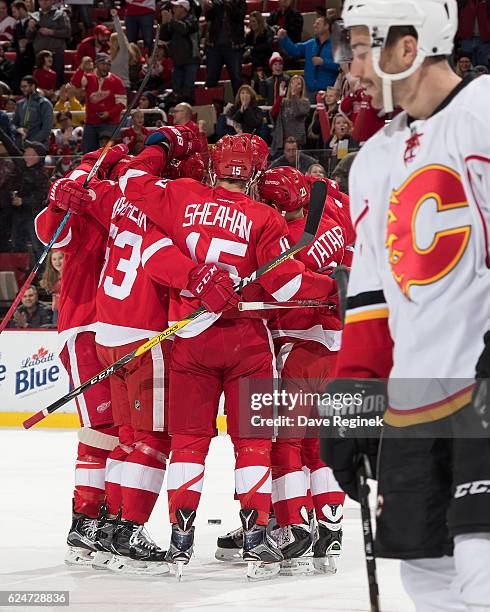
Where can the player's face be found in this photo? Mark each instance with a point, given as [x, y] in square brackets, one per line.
[362, 65]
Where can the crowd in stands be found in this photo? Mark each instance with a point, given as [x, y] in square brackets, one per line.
[69, 69]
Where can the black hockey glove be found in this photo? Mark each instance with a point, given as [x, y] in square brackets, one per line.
[353, 432]
[481, 392]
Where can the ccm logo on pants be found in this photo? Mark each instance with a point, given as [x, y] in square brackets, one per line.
[472, 488]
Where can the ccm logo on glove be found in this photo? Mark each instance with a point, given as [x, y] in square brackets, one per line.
[205, 280]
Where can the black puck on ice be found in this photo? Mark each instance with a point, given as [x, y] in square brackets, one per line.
[214, 521]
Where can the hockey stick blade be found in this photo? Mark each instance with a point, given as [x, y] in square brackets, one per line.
[341, 276]
[315, 211]
[318, 195]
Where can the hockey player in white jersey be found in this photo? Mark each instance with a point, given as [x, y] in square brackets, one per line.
[419, 300]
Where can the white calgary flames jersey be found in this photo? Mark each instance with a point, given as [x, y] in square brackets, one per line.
[420, 204]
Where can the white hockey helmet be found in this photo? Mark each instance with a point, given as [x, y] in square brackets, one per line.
[435, 21]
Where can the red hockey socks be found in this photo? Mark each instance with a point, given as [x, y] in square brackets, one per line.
[114, 467]
[186, 472]
[253, 480]
[142, 474]
[94, 446]
[325, 489]
[289, 484]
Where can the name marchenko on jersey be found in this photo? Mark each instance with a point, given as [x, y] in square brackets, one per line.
[123, 207]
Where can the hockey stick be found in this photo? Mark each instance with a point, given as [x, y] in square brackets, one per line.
[86, 183]
[317, 201]
[341, 275]
[244, 306]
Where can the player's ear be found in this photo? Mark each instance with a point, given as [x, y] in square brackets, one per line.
[407, 51]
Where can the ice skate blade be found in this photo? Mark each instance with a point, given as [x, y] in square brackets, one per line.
[80, 557]
[179, 570]
[101, 560]
[124, 565]
[301, 566]
[325, 565]
[229, 555]
[258, 570]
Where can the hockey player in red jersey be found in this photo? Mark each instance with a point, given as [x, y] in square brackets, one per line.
[83, 242]
[306, 343]
[219, 225]
[132, 306]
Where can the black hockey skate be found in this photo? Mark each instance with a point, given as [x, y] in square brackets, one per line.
[328, 542]
[81, 540]
[229, 547]
[260, 550]
[134, 552]
[295, 542]
[103, 539]
[182, 540]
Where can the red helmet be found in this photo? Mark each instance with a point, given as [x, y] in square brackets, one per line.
[285, 187]
[239, 157]
[191, 167]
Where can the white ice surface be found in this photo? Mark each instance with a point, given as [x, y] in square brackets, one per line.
[36, 478]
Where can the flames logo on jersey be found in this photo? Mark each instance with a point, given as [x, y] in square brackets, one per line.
[410, 264]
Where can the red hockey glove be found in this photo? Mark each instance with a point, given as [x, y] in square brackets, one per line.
[179, 141]
[69, 196]
[213, 287]
[114, 155]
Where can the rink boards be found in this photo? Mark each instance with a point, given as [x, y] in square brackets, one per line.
[32, 377]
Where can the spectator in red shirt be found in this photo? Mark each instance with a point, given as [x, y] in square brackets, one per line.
[98, 43]
[135, 135]
[45, 76]
[140, 15]
[105, 97]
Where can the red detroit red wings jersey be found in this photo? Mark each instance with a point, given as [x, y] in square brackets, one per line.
[215, 225]
[132, 297]
[83, 242]
[317, 324]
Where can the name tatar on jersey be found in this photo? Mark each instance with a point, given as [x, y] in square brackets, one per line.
[122, 207]
[212, 213]
[326, 245]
